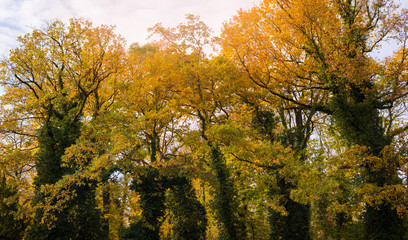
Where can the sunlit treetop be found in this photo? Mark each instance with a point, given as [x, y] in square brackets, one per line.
[63, 62]
[303, 45]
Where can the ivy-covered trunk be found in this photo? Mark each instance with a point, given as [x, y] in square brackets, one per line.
[151, 186]
[224, 204]
[187, 214]
[158, 193]
[11, 228]
[359, 121]
[79, 217]
[152, 189]
[296, 224]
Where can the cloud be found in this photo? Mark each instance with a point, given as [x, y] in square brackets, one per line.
[132, 18]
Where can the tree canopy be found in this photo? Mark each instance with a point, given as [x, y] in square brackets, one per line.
[286, 126]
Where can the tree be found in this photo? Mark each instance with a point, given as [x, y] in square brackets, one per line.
[155, 126]
[200, 97]
[274, 117]
[59, 77]
[16, 173]
[12, 226]
[146, 124]
[187, 214]
[264, 139]
[322, 49]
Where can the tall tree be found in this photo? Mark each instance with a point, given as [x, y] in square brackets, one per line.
[152, 127]
[16, 171]
[200, 97]
[56, 78]
[275, 117]
[322, 48]
[12, 226]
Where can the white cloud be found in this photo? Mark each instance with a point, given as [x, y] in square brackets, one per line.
[131, 17]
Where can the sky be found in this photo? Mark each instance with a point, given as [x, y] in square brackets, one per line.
[132, 18]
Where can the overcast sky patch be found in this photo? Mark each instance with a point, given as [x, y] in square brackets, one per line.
[132, 18]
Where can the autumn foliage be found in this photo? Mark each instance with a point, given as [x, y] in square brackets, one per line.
[287, 126]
